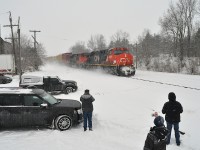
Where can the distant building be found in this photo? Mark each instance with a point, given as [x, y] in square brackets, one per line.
[5, 47]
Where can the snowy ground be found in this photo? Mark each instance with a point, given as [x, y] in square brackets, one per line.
[122, 112]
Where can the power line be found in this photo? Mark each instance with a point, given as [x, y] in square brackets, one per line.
[4, 13]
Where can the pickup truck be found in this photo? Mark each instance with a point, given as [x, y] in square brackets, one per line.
[52, 84]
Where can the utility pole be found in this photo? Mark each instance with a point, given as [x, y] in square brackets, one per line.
[136, 56]
[19, 42]
[35, 48]
[34, 31]
[13, 40]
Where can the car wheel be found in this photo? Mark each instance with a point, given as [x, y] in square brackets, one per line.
[63, 122]
[68, 90]
[4, 82]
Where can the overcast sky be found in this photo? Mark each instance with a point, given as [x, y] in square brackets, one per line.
[64, 22]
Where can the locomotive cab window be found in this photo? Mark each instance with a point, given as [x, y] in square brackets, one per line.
[118, 52]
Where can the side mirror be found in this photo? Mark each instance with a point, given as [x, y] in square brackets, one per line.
[43, 105]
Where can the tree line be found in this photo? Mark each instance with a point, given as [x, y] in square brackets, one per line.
[175, 49]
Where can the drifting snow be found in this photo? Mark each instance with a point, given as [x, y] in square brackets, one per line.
[122, 112]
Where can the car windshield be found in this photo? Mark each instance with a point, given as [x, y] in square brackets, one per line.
[49, 98]
[58, 78]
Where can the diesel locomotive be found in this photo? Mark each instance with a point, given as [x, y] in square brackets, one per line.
[118, 60]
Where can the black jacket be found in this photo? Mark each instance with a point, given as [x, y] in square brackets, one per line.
[172, 109]
[156, 139]
[87, 100]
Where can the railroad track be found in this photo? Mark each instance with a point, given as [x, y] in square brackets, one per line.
[164, 83]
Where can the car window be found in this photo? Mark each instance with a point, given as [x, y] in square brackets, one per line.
[32, 100]
[1, 100]
[10, 100]
[54, 80]
[59, 79]
[49, 98]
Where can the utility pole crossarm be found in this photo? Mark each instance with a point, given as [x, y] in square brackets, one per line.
[10, 25]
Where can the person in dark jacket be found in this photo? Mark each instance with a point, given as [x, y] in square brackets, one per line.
[87, 108]
[172, 110]
[156, 138]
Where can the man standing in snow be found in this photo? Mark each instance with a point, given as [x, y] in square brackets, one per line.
[172, 110]
[87, 108]
[156, 138]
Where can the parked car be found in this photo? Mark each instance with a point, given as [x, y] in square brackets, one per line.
[5, 79]
[49, 83]
[34, 107]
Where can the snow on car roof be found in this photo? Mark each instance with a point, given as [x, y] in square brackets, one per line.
[32, 79]
[15, 90]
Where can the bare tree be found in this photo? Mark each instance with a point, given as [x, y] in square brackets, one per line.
[198, 7]
[97, 42]
[178, 21]
[30, 59]
[189, 8]
[173, 23]
[79, 47]
[197, 43]
[92, 43]
[120, 39]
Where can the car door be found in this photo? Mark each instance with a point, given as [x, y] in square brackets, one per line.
[33, 113]
[56, 84]
[10, 110]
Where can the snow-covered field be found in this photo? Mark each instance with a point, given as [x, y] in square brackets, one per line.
[122, 112]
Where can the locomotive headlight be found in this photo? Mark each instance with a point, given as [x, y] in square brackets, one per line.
[114, 62]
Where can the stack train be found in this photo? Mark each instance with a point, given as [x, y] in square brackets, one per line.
[118, 61]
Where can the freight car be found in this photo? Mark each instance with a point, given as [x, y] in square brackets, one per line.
[118, 61]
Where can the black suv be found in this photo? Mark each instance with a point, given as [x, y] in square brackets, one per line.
[34, 107]
[5, 79]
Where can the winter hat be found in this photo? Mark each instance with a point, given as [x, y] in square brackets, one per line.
[172, 96]
[87, 91]
[159, 121]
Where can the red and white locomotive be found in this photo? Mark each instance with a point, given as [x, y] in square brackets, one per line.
[117, 60]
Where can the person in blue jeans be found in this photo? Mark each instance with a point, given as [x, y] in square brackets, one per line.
[172, 110]
[87, 107]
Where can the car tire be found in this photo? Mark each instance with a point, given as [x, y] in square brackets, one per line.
[63, 122]
[68, 90]
[4, 82]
